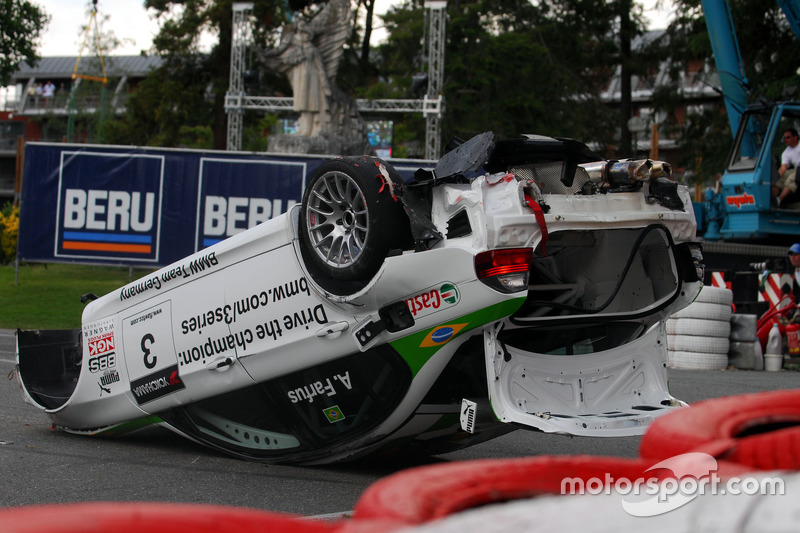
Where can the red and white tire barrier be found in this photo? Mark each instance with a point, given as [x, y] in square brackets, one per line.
[426, 493]
[130, 517]
[773, 289]
[756, 430]
[718, 280]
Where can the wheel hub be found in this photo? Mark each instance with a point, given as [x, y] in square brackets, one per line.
[337, 219]
[348, 220]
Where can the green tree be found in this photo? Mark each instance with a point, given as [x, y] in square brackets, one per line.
[167, 106]
[513, 66]
[369, 8]
[516, 66]
[21, 26]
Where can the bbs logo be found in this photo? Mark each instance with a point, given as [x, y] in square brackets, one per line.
[102, 362]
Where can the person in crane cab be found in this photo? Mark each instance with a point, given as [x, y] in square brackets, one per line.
[790, 160]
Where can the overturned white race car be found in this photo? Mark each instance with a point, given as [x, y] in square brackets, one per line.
[520, 283]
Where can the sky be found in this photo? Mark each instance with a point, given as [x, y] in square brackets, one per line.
[128, 19]
[132, 24]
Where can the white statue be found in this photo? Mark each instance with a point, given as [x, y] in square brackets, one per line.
[309, 55]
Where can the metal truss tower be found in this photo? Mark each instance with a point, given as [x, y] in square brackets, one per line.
[436, 39]
[431, 106]
[241, 35]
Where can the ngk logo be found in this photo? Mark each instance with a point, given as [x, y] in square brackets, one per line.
[102, 344]
[433, 299]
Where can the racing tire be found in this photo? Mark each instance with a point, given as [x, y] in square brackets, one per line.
[697, 360]
[777, 450]
[760, 430]
[715, 295]
[422, 494]
[708, 311]
[135, 517]
[699, 327]
[696, 343]
[350, 217]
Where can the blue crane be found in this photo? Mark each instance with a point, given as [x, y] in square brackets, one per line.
[742, 207]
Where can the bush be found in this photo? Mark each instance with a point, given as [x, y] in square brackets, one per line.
[9, 230]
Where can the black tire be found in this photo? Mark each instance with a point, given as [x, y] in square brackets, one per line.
[350, 218]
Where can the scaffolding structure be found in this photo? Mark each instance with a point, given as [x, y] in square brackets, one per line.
[431, 105]
[241, 36]
[436, 12]
[77, 77]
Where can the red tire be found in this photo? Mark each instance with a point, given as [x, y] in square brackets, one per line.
[419, 495]
[152, 518]
[756, 430]
[776, 450]
[422, 494]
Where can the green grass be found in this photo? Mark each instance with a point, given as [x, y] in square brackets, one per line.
[49, 296]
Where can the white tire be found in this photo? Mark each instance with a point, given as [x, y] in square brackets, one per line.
[698, 361]
[698, 326]
[706, 311]
[695, 343]
[715, 295]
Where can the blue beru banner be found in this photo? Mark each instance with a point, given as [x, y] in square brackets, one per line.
[151, 206]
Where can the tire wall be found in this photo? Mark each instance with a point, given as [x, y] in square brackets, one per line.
[698, 336]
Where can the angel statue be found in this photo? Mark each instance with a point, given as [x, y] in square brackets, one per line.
[308, 54]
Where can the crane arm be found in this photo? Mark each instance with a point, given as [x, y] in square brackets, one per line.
[728, 58]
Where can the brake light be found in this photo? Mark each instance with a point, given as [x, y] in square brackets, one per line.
[505, 270]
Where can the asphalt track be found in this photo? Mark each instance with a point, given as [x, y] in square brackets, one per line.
[39, 466]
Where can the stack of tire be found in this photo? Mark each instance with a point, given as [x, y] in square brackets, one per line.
[698, 335]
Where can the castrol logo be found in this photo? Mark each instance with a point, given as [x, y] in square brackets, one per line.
[433, 299]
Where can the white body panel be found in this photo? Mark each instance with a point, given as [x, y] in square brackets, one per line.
[610, 394]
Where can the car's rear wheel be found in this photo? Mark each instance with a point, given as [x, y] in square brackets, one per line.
[350, 218]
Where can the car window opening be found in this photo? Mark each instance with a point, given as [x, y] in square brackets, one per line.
[626, 272]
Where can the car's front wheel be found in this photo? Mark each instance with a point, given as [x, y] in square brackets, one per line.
[350, 218]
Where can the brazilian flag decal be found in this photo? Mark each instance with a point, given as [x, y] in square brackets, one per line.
[333, 414]
[442, 334]
[418, 347]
